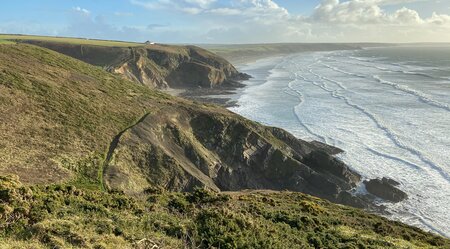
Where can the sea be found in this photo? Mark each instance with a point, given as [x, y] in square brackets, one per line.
[387, 107]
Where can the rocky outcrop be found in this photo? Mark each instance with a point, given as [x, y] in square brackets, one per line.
[385, 188]
[182, 148]
[156, 65]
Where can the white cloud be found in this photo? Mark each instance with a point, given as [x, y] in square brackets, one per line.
[331, 21]
[441, 20]
[81, 10]
[348, 12]
[363, 12]
[407, 16]
[195, 7]
[188, 6]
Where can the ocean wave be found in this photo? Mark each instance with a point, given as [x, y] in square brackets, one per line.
[391, 157]
[421, 96]
[300, 96]
[369, 64]
[389, 133]
[342, 71]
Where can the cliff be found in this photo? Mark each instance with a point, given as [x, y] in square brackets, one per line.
[154, 65]
[180, 148]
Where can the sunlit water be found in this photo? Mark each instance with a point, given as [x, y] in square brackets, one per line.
[388, 108]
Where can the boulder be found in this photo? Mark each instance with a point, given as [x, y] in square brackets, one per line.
[385, 188]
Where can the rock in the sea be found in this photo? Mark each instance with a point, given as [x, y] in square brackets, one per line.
[390, 181]
[385, 188]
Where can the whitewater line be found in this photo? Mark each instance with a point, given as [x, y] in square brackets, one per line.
[342, 71]
[391, 157]
[421, 96]
[387, 69]
[300, 97]
[393, 137]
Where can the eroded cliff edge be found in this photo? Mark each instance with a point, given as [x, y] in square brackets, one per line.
[182, 147]
[155, 65]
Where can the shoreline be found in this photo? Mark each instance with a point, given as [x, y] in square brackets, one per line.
[396, 212]
[226, 95]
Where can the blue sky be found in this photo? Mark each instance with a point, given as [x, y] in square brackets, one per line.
[232, 21]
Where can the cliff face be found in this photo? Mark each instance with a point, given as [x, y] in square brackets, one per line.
[181, 148]
[156, 66]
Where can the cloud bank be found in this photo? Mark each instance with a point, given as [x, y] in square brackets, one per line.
[246, 21]
[257, 21]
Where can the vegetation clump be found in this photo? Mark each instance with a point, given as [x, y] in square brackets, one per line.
[64, 216]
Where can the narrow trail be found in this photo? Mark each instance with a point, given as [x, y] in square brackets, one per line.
[112, 147]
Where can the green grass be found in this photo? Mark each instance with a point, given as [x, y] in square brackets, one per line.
[79, 41]
[5, 41]
[64, 111]
[64, 216]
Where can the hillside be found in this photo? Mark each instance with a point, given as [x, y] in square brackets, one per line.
[57, 111]
[154, 65]
[103, 161]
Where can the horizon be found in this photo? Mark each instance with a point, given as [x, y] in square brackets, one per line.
[233, 21]
[223, 44]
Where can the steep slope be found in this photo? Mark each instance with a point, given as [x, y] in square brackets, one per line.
[58, 114]
[155, 65]
[182, 147]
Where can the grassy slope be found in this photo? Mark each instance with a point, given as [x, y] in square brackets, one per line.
[62, 216]
[58, 116]
[79, 41]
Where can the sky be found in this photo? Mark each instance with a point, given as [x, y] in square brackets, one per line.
[232, 21]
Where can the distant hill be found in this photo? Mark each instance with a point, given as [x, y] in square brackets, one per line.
[241, 53]
[154, 65]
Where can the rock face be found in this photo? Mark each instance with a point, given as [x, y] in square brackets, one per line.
[181, 148]
[155, 65]
[385, 188]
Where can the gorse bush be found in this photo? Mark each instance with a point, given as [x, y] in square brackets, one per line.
[64, 216]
